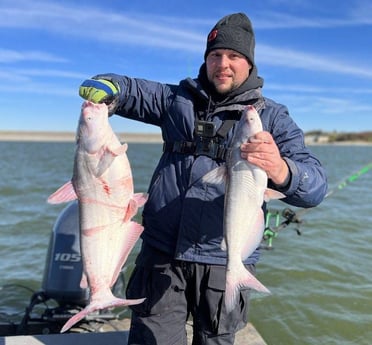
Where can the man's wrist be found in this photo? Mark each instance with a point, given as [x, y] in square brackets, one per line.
[284, 176]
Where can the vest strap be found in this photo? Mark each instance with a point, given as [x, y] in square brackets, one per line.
[203, 148]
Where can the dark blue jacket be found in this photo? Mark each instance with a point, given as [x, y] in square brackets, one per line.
[183, 216]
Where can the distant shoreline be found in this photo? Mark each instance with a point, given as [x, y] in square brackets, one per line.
[39, 136]
[44, 136]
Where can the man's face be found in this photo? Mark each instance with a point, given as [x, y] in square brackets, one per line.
[227, 69]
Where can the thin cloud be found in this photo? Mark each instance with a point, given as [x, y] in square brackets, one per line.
[278, 20]
[13, 56]
[39, 88]
[308, 89]
[36, 81]
[89, 23]
[300, 106]
[9, 76]
[80, 20]
[362, 12]
[294, 59]
[143, 30]
[289, 14]
[51, 73]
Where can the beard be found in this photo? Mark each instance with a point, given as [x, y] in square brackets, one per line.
[223, 89]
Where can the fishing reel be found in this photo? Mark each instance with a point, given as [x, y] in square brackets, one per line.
[291, 217]
[273, 225]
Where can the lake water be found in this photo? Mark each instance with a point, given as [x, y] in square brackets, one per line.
[321, 281]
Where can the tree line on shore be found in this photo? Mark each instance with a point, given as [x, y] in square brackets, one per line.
[365, 136]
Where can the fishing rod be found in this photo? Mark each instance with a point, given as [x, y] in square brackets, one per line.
[273, 223]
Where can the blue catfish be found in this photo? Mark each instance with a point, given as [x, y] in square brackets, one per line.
[243, 224]
[103, 184]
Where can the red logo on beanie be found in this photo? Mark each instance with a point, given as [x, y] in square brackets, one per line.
[212, 35]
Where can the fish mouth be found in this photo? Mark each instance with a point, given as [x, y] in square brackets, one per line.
[86, 104]
[90, 104]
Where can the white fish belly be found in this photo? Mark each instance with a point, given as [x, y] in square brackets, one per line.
[243, 202]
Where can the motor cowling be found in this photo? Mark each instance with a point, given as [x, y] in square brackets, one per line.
[64, 266]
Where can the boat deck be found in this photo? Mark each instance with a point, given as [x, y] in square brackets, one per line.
[105, 335]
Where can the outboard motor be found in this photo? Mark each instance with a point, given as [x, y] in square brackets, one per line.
[64, 267]
[62, 275]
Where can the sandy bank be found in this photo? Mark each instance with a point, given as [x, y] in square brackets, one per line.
[70, 136]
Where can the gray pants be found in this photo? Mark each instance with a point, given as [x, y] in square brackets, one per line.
[174, 290]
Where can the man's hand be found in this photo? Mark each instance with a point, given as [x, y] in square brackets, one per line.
[98, 90]
[261, 150]
[101, 91]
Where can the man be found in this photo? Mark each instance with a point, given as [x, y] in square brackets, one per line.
[181, 267]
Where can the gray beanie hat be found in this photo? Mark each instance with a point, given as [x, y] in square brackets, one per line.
[234, 32]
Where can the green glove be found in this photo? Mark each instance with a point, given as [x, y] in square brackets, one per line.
[99, 91]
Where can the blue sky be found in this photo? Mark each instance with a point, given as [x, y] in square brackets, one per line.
[315, 57]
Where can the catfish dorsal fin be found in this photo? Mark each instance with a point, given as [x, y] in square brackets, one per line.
[271, 194]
